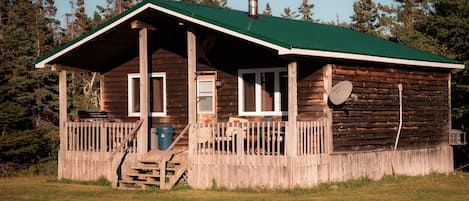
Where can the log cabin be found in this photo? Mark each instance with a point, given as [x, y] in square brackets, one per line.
[249, 98]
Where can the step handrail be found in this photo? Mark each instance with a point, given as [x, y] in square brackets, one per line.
[178, 138]
[165, 157]
[131, 136]
[128, 138]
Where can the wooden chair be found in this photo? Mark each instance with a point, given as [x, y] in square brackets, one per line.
[232, 130]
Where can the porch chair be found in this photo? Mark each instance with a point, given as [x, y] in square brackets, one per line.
[232, 130]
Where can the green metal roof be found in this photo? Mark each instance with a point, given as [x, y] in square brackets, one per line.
[279, 33]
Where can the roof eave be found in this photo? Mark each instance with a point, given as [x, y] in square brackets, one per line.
[45, 62]
[361, 57]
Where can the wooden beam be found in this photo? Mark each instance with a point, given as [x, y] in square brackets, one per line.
[60, 67]
[144, 91]
[62, 120]
[450, 123]
[137, 24]
[327, 79]
[62, 107]
[292, 110]
[191, 77]
[101, 92]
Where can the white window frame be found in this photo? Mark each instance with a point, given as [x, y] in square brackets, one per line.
[130, 94]
[258, 90]
[213, 97]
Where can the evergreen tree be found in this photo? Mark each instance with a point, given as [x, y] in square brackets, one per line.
[409, 14]
[305, 11]
[84, 87]
[218, 3]
[27, 95]
[267, 10]
[365, 16]
[82, 22]
[288, 13]
[448, 23]
[113, 8]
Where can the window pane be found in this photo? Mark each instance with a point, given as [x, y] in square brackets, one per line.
[205, 96]
[206, 86]
[136, 95]
[249, 81]
[205, 103]
[156, 96]
[268, 88]
[284, 91]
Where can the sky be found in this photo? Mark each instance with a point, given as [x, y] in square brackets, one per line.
[324, 10]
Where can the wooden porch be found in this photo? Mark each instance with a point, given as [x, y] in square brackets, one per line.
[253, 144]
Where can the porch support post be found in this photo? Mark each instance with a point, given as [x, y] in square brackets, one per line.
[292, 110]
[327, 79]
[191, 77]
[142, 138]
[191, 98]
[62, 120]
[144, 91]
[291, 138]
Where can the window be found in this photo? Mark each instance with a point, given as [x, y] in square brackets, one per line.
[205, 96]
[157, 94]
[263, 92]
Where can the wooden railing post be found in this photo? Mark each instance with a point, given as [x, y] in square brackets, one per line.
[103, 132]
[239, 139]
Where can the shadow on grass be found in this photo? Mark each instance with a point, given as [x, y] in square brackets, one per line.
[99, 182]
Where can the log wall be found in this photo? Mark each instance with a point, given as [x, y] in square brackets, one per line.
[115, 88]
[370, 121]
[226, 65]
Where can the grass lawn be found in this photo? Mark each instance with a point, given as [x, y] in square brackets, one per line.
[433, 187]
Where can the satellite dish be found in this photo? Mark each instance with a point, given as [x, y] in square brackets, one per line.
[340, 92]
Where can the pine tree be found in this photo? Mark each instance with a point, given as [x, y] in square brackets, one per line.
[267, 10]
[410, 13]
[26, 94]
[365, 16]
[288, 13]
[84, 87]
[305, 11]
[113, 8]
[218, 3]
[82, 21]
[448, 23]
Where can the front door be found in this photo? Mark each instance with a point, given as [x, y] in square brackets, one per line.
[206, 98]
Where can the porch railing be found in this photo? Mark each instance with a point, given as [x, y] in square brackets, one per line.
[312, 138]
[99, 136]
[247, 138]
[258, 138]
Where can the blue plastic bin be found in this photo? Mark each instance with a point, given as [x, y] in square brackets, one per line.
[165, 136]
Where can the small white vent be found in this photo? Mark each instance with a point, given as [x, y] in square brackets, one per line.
[457, 137]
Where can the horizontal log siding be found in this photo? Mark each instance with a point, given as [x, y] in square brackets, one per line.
[311, 91]
[371, 121]
[115, 89]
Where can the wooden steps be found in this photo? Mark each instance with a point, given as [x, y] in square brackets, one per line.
[148, 173]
